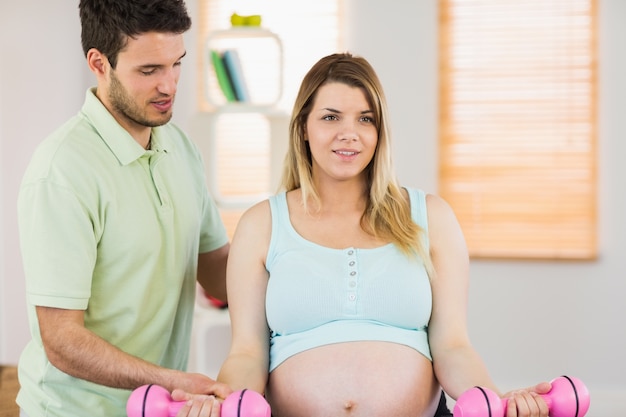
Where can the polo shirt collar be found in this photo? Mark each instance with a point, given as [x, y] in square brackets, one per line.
[119, 141]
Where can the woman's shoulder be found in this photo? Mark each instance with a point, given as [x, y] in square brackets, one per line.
[437, 205]
[439, 210]
[254, 229]
[259, 215]
[433, 201]
[257, 212]
[443, 225]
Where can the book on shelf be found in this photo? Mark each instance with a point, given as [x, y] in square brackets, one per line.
[232, 64]
[222, 76]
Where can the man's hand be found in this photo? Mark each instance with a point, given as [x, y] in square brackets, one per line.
[197, 405]
[190, 384]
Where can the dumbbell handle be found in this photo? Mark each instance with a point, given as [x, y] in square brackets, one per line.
[491, 411]
[568, 397]
[155, 401]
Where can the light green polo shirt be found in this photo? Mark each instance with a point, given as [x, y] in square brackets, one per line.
[115, 230]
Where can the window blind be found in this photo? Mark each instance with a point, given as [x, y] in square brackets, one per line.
[518, 125]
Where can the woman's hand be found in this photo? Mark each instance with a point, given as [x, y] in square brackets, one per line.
[528, 402]
[197, 405]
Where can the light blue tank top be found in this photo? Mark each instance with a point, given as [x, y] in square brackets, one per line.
[318, 296]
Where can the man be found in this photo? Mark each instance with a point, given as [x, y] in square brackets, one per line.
[116, 225]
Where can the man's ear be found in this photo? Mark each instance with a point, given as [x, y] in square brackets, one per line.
[97, 62]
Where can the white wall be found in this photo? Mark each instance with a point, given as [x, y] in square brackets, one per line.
[530, 320]
[42, 84]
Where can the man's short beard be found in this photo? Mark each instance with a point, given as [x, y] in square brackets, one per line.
[124, 105]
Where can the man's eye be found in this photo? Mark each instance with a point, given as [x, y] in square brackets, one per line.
[148, 72]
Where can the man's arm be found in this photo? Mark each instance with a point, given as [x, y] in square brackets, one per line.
[77, 351]
[212, 272]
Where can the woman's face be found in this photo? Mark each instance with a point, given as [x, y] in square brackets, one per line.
[341, 132]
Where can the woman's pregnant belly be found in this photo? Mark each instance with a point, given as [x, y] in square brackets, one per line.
[355, 379]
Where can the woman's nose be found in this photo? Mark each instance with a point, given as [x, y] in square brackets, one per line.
[348, 132]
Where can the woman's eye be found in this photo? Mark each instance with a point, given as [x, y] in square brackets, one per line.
[330, 117]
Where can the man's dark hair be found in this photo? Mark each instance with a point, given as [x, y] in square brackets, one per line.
[107, 24]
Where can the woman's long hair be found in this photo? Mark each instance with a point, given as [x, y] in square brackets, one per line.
[388, 213]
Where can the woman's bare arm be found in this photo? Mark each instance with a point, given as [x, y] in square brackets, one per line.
[247, 363]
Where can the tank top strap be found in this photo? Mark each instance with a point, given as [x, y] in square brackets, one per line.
[280, 219]
[419, 213]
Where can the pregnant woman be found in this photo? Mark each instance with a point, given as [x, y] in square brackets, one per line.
[348, 292]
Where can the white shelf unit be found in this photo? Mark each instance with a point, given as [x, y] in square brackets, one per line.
[251, 136]
[261, 53]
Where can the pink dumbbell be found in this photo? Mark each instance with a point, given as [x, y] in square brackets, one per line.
[568, 397]
[155, 401]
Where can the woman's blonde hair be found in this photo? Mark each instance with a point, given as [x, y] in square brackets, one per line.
[388, 213]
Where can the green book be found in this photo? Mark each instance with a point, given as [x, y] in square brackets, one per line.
[222, 76]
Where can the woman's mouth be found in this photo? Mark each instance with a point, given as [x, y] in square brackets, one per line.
[346, 154]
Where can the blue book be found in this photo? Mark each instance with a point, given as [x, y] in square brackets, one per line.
[232, 64]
